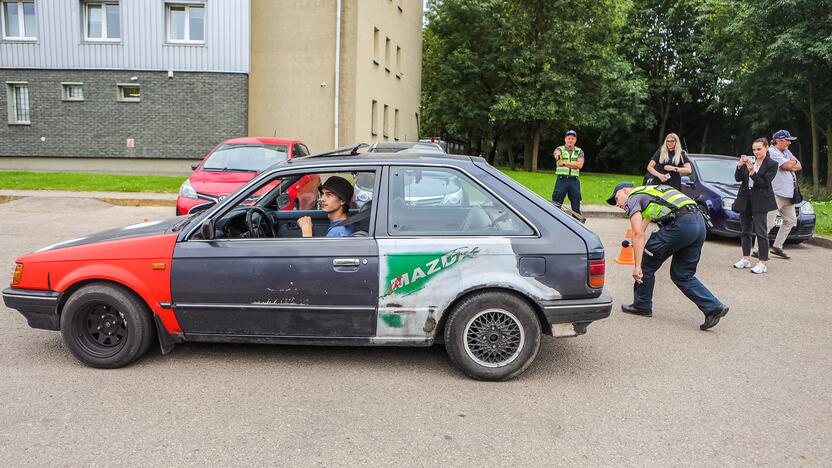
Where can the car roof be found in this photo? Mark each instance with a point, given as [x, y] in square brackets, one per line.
[711, 156]
[261, 140]
[416, 158]
[407, 146]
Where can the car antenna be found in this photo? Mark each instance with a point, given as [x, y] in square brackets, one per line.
[350, 150]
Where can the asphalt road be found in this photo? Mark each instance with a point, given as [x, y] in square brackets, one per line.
[633, 391]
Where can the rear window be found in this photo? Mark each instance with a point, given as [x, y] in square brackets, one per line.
[245, 157]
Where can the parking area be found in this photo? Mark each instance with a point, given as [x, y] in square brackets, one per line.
[633, 391]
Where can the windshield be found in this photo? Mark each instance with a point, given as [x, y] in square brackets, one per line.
[245, 157]
[717, 171]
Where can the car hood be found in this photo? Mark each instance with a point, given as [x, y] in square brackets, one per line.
[151, 228]
[724, 190]
[219, 183]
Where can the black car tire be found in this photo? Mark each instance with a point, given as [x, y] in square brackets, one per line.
[106, 326]
[507, 323]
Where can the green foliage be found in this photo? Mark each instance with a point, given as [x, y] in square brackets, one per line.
[89, 182]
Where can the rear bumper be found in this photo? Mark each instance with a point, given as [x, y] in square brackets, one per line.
[39, 307]
[577, 310]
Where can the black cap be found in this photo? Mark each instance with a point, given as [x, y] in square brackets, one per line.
[339, 186]
[572, 132]
[621, 185]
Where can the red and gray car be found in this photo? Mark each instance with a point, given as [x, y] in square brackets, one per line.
[490, 275]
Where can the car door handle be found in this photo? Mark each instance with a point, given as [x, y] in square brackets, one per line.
[342, 262]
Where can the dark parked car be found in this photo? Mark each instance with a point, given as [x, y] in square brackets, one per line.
[712, 185]
[487, 276]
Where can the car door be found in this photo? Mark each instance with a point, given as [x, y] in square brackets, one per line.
[288, 287]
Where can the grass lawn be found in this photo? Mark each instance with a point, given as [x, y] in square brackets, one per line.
[823, 210]
[89, 182]
[595, 188]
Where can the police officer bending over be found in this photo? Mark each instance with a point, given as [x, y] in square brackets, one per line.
[681, 236]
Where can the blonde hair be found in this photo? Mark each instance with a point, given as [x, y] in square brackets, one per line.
[664, 156]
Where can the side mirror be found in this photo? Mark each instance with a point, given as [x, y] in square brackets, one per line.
[686, 181]
[207, 230]
[283, 200]
[194, 166]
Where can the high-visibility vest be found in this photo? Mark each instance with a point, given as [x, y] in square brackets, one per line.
[667, 199]
[567, 156]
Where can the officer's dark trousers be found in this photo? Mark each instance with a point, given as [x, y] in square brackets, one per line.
[683, 242]
[566, 185]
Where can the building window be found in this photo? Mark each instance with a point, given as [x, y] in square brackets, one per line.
[398, 62]
[387, 54]
[129, 93]
[375, 45]
[102, 22]
[396, 125]
[73, 91]
[384, 123]
[186, 23]
[19, 20]
[373, 123]
[17, 95]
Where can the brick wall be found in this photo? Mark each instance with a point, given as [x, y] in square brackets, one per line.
[179, 117]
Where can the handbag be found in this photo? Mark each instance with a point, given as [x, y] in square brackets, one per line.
[797, 197]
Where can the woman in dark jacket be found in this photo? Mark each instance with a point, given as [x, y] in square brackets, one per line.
[754, 200]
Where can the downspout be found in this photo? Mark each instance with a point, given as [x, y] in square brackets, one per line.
[337, 70]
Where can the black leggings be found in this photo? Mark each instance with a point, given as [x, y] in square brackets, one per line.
[754, 224]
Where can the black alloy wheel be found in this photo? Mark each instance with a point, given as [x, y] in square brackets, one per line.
[106, 325]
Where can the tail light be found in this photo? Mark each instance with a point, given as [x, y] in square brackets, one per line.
[18, 274]
[597, 270]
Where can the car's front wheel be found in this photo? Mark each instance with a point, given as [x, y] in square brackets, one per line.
[106, 326]
[492, 335]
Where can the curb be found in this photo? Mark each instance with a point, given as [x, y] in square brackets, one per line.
[820, 241]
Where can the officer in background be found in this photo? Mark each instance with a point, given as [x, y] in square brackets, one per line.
[570, 160]
[681, 236]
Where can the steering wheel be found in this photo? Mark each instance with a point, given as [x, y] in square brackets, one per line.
[260, 228]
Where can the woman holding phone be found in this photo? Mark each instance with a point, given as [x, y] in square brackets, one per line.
[754, 200]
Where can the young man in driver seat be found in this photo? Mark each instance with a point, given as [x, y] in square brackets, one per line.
[336, 194]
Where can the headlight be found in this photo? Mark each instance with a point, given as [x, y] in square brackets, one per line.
[726, 203]
[17, 274]
[187, 191]
[807, 209]
[452, 198]
[363, 196]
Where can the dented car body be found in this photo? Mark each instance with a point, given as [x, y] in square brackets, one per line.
[487, 275]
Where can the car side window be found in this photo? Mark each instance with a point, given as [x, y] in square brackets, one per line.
[692, 175]
[440, 201]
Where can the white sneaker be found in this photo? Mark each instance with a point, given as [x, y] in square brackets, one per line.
[743, 263]
[760, 268]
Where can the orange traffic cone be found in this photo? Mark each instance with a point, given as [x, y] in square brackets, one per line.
[626, 257]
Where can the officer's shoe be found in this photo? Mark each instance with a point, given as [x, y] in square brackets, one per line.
[713, 318]
[779, 252]
[631, 309]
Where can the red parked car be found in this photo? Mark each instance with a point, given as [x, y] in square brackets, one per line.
[236, 161]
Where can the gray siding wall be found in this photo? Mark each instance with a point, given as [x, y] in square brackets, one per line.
[179, 117]
[60, 42]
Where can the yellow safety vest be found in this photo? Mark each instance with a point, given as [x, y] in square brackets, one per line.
[567, 156]
[668, 199]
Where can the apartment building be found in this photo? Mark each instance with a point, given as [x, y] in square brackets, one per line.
[97, 81]
[366, 92]
[122, 79]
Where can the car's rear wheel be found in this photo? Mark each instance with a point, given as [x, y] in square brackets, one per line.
[492, 335]
[106, 326]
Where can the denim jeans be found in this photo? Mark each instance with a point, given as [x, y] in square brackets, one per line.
[682, 241]
[568, 186]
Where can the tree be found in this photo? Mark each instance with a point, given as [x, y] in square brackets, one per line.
[777, 57]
